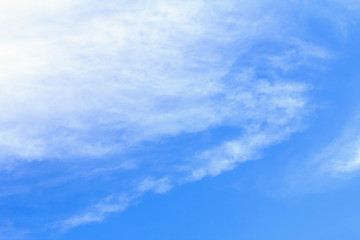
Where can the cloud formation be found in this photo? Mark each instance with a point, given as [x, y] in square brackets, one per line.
[131, 74]
[342, 155]
[84, 84]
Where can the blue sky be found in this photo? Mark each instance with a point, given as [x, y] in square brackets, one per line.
[179, 119]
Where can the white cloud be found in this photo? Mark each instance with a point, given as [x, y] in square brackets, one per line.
[270, 112]
[97, 213]
[83, 79]
[327, 167]
[110, 204]
[161, 185]
[342, 156]
[302, 53]
[274, 109]
[267, 111]
[131, 74]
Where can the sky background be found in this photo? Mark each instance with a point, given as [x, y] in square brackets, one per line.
[179, 119]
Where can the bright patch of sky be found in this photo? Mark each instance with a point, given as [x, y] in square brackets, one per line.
[104, 104]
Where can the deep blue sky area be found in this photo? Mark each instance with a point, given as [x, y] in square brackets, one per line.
[179, 120]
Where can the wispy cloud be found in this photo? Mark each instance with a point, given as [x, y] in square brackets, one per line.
[327, 167]
[9, 232]
[81, 90]
[342, 156]
[110, 204]
[98, 212]
[271, 117]
[268, 113]
[124, 76]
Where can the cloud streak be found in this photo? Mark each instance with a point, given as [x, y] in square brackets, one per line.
[342, 156]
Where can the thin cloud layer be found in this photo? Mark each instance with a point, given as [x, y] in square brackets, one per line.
[85, 84]
[342, 156]
[131, 74]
